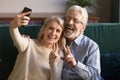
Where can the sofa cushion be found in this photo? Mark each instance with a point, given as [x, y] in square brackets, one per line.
[110, 66]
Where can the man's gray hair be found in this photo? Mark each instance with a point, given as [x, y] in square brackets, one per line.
[81, 10]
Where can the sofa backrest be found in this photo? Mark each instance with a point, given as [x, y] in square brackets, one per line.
[105, 34]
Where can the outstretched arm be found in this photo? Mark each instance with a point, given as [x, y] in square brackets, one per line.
[19, 20]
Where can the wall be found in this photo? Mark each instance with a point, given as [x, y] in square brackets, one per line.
[43, 8]
[39, 7]
[105, 10]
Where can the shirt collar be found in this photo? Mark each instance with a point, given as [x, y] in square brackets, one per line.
[77, 41]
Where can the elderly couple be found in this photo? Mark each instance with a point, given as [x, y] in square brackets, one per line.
[61, 51]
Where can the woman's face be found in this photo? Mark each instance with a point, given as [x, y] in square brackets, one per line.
[52, 33]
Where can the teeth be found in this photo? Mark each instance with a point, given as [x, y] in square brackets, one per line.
[69, 27]
[51, 37]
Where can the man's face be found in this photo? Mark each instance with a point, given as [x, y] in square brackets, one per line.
[73, 25]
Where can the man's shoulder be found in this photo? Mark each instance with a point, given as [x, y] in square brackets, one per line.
[89, 41]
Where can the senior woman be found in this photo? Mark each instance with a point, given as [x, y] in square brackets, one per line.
[38, 59]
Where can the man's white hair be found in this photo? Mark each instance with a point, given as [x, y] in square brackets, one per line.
[82, 11]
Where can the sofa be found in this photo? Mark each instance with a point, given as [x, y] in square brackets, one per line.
[107, 35]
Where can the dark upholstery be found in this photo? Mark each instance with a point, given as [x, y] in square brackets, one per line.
[105, 34]
[110, 65]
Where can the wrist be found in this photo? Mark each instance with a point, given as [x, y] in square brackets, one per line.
[75, 63]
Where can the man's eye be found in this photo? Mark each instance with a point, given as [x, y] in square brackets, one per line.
[68, 18]
[76, 21]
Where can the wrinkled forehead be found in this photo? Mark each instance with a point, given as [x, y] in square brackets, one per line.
[74, 14]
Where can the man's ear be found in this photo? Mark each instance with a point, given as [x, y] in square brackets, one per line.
[83, 27]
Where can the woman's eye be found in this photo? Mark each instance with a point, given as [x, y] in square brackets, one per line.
[58, 31]
[50, 28]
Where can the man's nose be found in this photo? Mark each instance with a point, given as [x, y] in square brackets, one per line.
[70, 21]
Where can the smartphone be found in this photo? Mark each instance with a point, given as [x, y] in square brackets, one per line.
[26, 9]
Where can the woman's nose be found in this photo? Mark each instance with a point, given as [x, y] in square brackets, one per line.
[53, 32]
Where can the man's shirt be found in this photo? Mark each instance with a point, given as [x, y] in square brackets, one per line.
[87, 54]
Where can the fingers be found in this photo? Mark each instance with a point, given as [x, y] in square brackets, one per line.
[55, 47]
[54, 53]
[69, 58]
[25, 13]
[52, 57]
[66, 50]
[22, 19]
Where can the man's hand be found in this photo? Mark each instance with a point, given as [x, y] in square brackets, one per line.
[69, 58]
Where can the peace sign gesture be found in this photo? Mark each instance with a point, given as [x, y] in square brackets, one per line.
[69, 58]
[54, 56]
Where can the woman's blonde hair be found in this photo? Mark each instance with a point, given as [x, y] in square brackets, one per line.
[58, 20]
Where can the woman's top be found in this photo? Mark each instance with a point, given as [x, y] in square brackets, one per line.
[33, 64]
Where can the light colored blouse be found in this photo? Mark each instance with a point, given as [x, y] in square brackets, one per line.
[33, 64]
